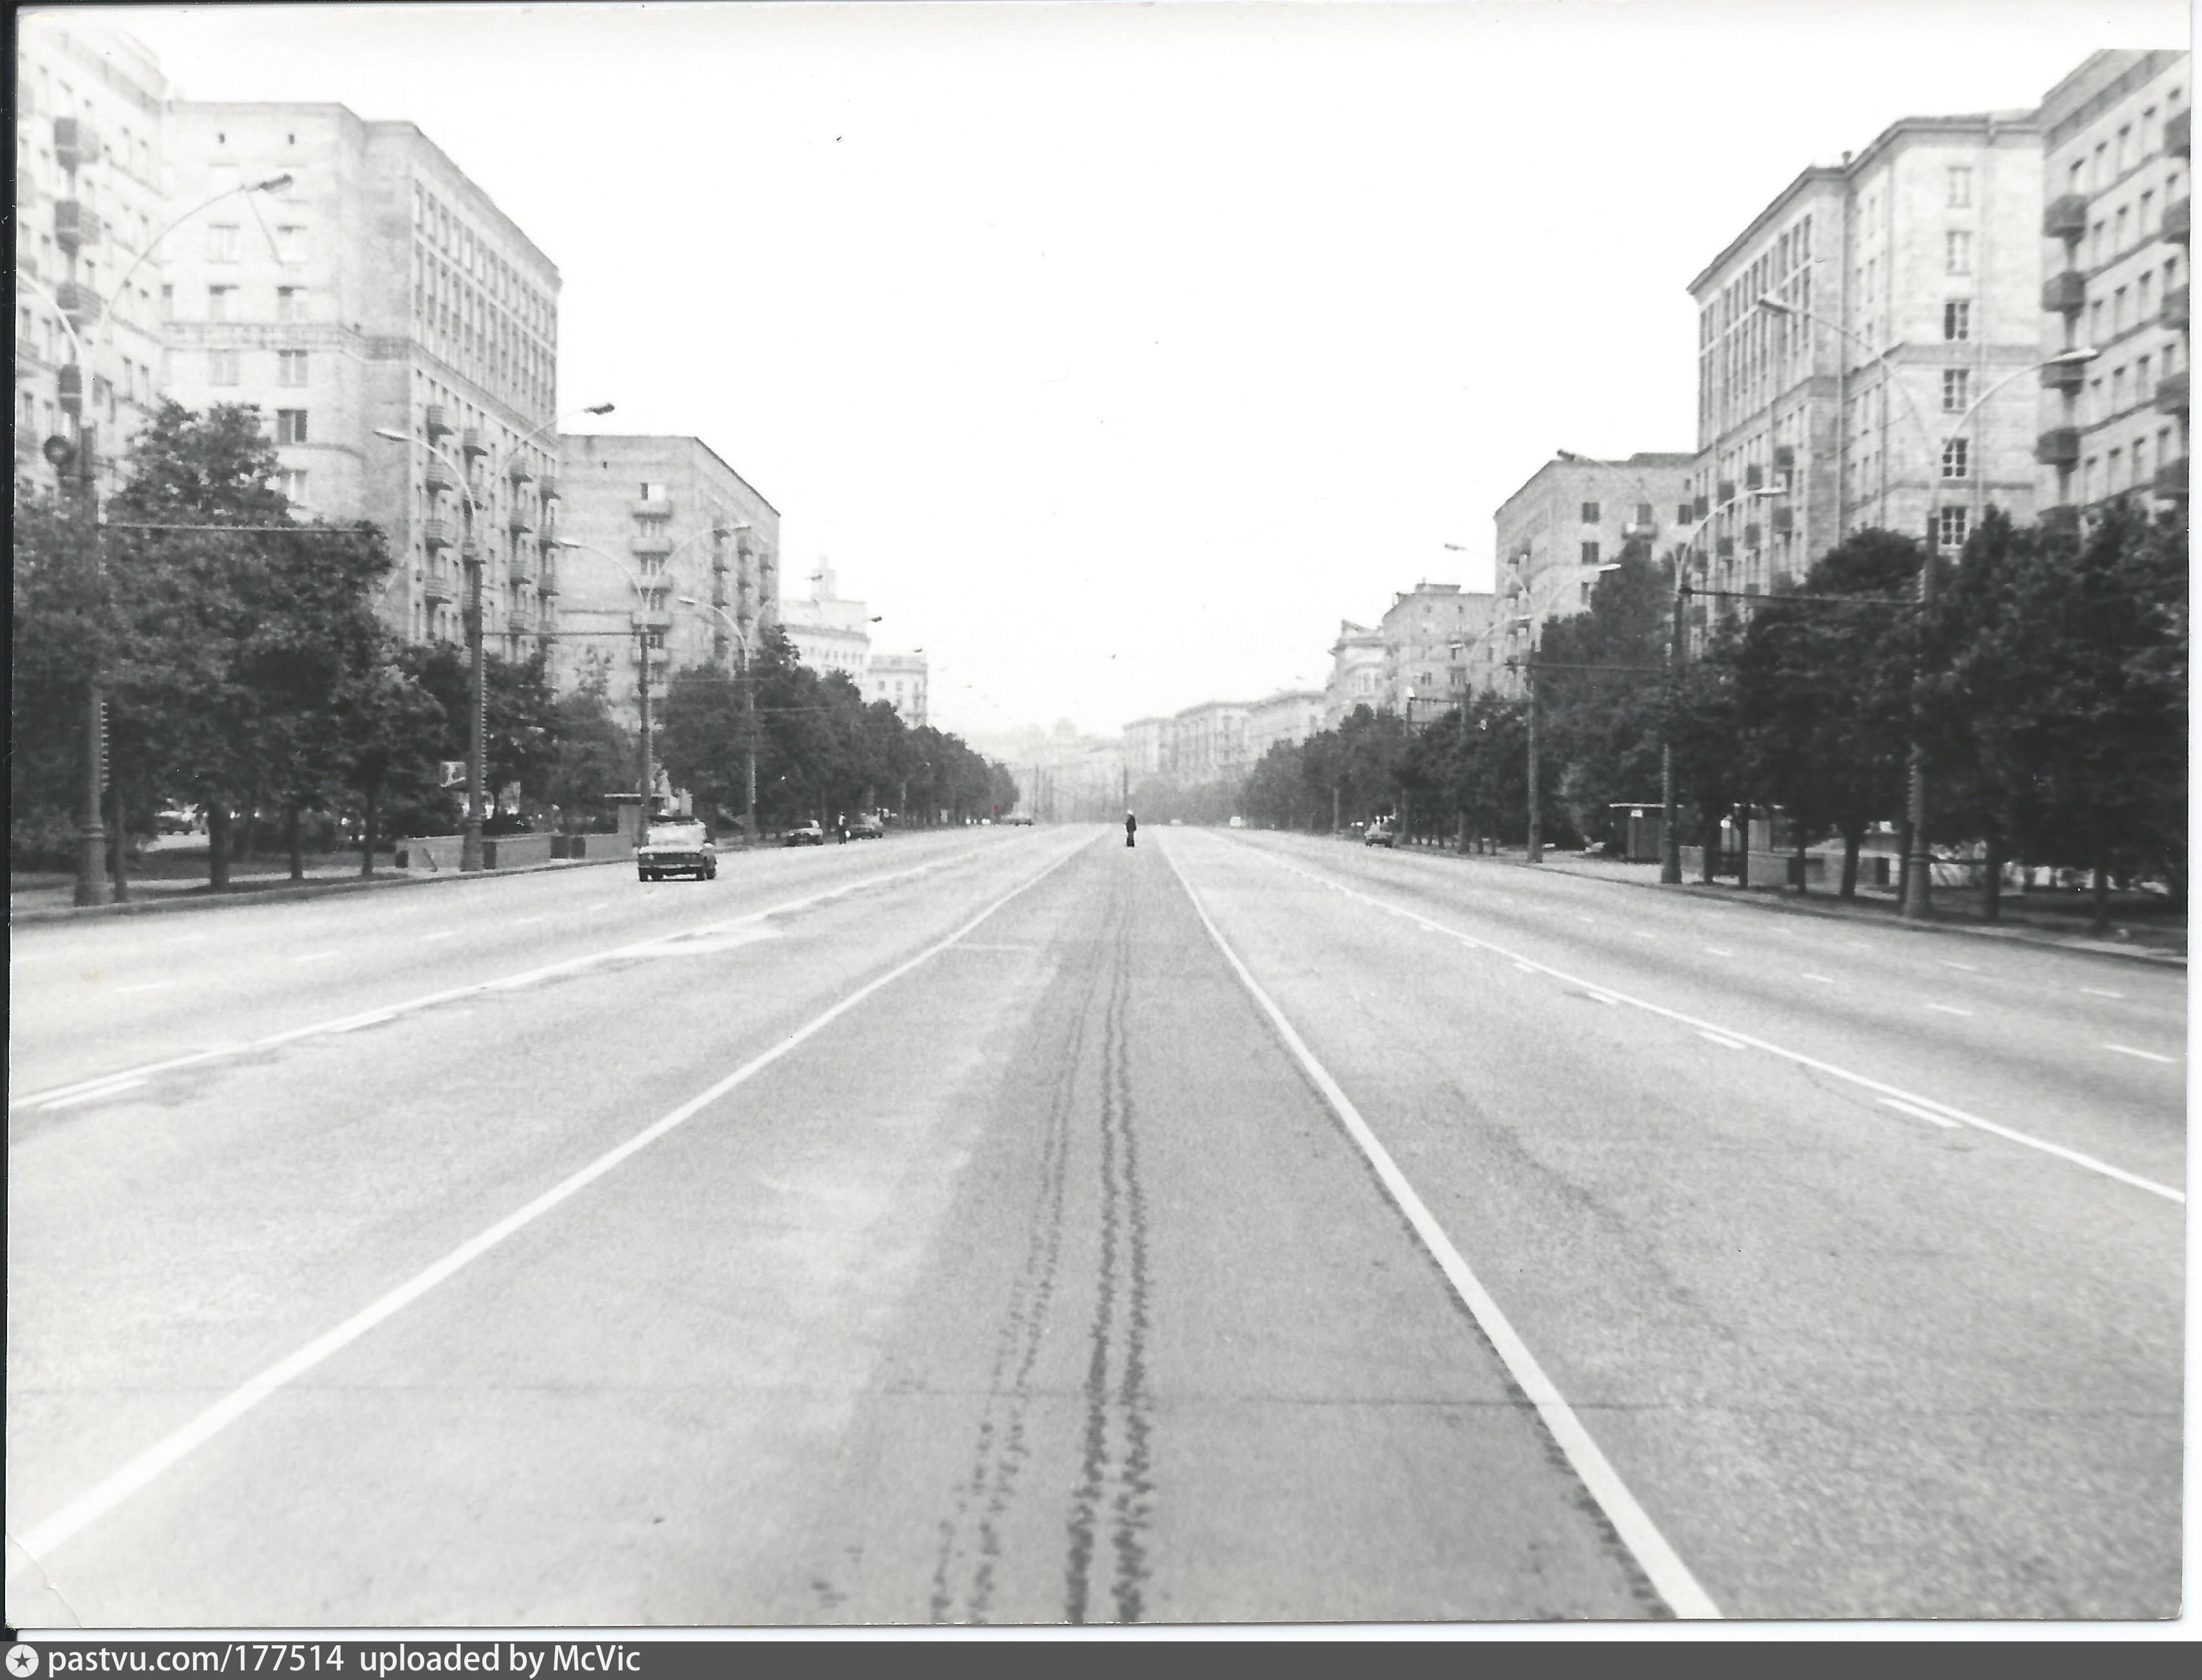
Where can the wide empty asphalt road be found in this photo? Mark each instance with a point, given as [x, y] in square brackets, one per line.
[1009, 1227]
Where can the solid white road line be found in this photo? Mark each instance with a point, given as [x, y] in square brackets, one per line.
[2012, 1134]
[1963, 967]
[1668, 1573]
[1715, 951]
[74, 1518]
[2097, 991]
[1719, 1039]
[1825, 980]
[1917, 1112]
[430, 938]
[530, 921]
[92, 1096]
[2146, 1055]
[529, 977]
[1949, 1009]
[317, 956]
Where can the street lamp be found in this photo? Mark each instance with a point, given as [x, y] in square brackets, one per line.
[1918, 864]
[470, 842]
[749, 716]
[1522, 623]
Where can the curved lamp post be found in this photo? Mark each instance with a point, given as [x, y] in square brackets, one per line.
[749, 714]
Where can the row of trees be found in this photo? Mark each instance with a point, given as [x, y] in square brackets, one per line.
[2044, 680]
[246, 671]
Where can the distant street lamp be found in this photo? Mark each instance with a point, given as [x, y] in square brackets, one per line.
[749, 716]
[1919, 885]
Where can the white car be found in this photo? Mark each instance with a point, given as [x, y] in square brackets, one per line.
[676, 848]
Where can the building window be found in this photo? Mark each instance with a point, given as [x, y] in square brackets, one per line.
[1590, 554]
[1957, 250]
[294, 485]
[290, 426]
[1644, 513]
[1950, 527]
[219, 298]
[2118, 392]
[1957, 384]
[2119, 242]
[221, 242]
[291, 367]
[1953, 458]
[1683, 513]
[290, 302]
[1958, 320]
[1961, 187]
[1590, 512]
[290, 243]
[223, 368]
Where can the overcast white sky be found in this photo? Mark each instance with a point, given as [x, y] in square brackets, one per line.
[1114, 353]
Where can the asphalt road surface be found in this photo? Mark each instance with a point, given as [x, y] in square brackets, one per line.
[1008, 1226]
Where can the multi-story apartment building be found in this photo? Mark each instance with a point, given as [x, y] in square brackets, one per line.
[657, 530]
[829, 633]
[1356, 673]
[381, 289]
[1572, 515]
[1147, 748]
[1428, 634]
[900, 679]
[2118, 182]
[1883, 386]
[1208, 742]
[1285, 719]
[90, 151]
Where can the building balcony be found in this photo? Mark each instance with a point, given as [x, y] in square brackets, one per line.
[75, 225]
[471, 552]
[518, 572]
[653, 542]
[78, 302]
[68, 388]
[2059, 447]
[2065, 376]
[2179, 133]
[2063, 294]
[547, 580]
[76, 143]
[434, 422]
[474, 443]
[2179, 219]
[2066, 217]
[521, 520]
[437, 478]
[2170, 479]
[2171, 394]
[650, 508]
[436, 535]
[436, 587]
[518, 473]
[547, 486]
[2174, 312]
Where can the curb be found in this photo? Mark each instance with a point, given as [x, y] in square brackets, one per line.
[285, 895]
[1790, 907]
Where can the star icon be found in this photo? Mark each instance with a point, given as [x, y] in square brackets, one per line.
[23, 1661]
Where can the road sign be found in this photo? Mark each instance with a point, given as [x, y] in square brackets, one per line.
[453, 773]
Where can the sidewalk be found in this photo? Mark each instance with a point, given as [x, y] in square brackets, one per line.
[2161, 942]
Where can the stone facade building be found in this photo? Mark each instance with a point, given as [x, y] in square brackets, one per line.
[900, 679]
[90, 156]
[1429, 633]
[2117, 177]
[1285, 719]
[1356, 673]
[661, 526]
[381, 289]
[1146, 742]
[1888, 387]
[829, 633]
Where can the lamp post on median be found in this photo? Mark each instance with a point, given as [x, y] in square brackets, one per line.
[748, 717]
[1523, 624]
[1917, 902]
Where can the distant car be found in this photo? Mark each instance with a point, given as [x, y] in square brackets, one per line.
[176, 820]
[804, 834]
[676, 848]
[1020, 819]
[865, 826]
[1238, 822]
[1381, 833]
[1177, 822]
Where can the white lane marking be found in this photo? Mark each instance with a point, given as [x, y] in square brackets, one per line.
[1525, 968]
[530, 921]
[1963, 967]
[2146, 1055]
[1949, 1009]
[605, 904]
[112, 1090]
[359, 1021]
[448, 933]
[1669, 1575]
[1715, 951]
[1644, 933]
[86, 1508]
[1720, 1039]
[144, 985]
[343, 1022]
[1917, 1112]
[317, 956]
[2012, 1134]
[1824, 979]
[2097, 991]
[1600, 997]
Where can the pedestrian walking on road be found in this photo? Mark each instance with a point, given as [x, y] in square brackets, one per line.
[1131, 827]
[841, 821]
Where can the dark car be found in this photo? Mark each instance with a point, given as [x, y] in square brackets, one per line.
[676, 848]
[804, 834]
[1381, 833]
[865, 826]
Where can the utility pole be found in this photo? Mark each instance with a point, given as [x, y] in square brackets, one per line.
[1918, 903]
[642, 745]
[92, 886]
[749, 742]
[1536, 818]
[1670, 838]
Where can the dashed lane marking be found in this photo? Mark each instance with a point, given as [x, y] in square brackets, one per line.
[1949, 1009]
[1798, 1058]
[1715, 951]
[1917, 1112]
[430, 938]
[1962, 968]
[39, 1543]
[1720, 1039]
[2097, 991]
[317, 956]
[510, 982]
[2146, 1055]
[1824, 979]
[1668, 1574]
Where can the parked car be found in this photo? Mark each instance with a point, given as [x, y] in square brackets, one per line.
[865, 826]
[804, 834]
[1238, 822]
[676, 848]
[176, 820]
[1018, 820]
[1381, 833]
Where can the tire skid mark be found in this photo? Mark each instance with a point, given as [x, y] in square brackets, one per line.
[1001, 1448]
